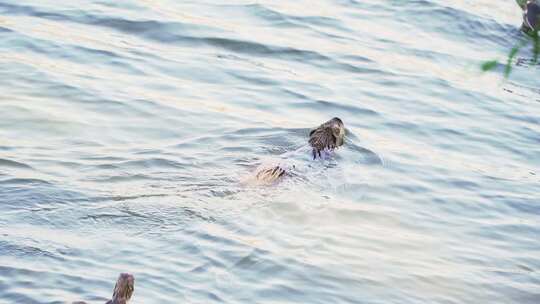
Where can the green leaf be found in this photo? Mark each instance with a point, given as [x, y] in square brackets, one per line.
[508, 67]
[522, 3]
[533, 38]
[489, 65]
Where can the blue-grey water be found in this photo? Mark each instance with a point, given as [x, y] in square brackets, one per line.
[127, 128]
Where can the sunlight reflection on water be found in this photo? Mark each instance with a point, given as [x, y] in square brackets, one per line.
[128, 126]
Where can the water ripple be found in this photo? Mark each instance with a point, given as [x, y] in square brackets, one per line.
[128, 128]
[13, 164]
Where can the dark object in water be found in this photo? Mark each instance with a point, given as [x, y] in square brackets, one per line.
[531, 16]
[123, 290]
[327, 136]
[323, 140]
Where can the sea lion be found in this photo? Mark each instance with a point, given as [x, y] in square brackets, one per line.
[323, 140]
[531, 15]
[123, 290]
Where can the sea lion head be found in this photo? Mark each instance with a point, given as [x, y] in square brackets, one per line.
[327, 136]
[123, 290]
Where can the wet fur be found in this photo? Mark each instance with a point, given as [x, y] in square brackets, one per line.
[326, 137]
[270, 174]
[123, 290]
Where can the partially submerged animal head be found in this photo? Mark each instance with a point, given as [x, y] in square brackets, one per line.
[123, 290]
[327, 136]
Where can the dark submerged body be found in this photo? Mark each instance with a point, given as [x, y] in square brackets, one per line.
[531, 16]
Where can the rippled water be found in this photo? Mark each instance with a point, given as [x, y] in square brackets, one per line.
[127, 127]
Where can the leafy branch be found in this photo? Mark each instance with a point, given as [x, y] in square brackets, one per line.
[532, 38]
[532, 33]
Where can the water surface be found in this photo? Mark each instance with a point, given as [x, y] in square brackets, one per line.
[127, 127]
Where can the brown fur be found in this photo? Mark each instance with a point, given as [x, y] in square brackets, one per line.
[270, 174]
[123, 290]
[327, 136]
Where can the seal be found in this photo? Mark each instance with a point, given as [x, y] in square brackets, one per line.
[531, 15]
[123, 290]
[323, 141]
